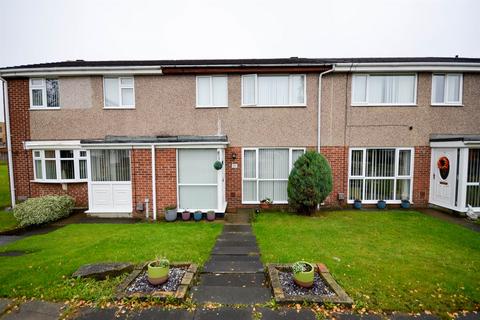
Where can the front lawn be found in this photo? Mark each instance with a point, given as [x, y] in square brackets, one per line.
[7, 221]
[45, 272]
[4, 186]
[391, 260]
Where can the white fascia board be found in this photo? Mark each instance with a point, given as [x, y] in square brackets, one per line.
[178, 145]
[53, 144]
[447, 144]
[73, 71]
[407, 67]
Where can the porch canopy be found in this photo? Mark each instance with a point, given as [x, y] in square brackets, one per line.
[168, 140]
[454, 140]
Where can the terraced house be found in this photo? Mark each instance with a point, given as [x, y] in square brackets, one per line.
[131, 137]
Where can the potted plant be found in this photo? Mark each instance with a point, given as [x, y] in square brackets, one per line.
[210, 215]
[157, 271]
[197, 215]
[186, 215]
[303, 274]
[171, 213]
[357, 204]
[405, 204]
[381, 204]
[265, 203]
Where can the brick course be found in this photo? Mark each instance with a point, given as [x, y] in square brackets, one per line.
[166, 175]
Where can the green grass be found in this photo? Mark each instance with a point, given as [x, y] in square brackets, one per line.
[45, 272]
[393, 260]
[7, 221]
[4, 186]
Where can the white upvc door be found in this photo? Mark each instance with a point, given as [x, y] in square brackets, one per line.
[473, 179]
[109, 184]
[443, 178]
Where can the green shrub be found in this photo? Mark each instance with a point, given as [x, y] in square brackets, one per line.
[36, 211]
[309, 183]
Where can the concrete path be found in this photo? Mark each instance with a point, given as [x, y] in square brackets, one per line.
[452, 218]
[35, 310]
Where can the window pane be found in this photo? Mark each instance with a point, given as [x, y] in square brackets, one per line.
[37, 97]
[473, 196]
[380, 163]
[52, 93]
[280, 191]
[203, 88]
[66, 154]
[295, 155]
[357, 163]
[110, 165]
[356, 189]
[50, 169]
[220, 94]
[273, 90]
[473, 165]
[38, 169]
[273, 164]
[198, 197]
[453, 85]
[359, 88]
[127, 97]
[67, 169]
[50, 154]
[196, 166]
[250, 191]
[391, 89]
[36, 154]
[111, 92]
[83, 169]
[249, 164]
[248, 90]
[403, 189]
[404, 162]
[36, 82]
[298, 89]
[376, 89]
[438, 88]
[265, 190]
[379, 189]
[404, 89]
[83, 153]
[126, 81]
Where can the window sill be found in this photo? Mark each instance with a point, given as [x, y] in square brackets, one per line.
[119, 108]
[447, 105]
[44, 108]
[59, 181]
[384, 105]
[376, 201]
[275, 106]
[210, 107]
[258, 202]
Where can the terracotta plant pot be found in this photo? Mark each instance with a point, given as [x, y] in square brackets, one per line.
[305, 279]
[157, 275]
[210, 215]
[186, 215]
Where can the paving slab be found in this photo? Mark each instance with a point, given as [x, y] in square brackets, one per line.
[35, 310]
[286, 314]
[236, 243]
[237, 228]
[4, 304]
[475, 315]
[234, 257]
[8, 239]
[354, 316]
[231, 295]
[224, 314]
[234, 280]
[97, 314]
[236, 250]
[403, 316]
[233, 267]
[159, 313]
[235, 236]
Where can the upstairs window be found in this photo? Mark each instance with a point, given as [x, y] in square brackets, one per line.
[384, 90]
[273, 90]
[119, 92]
[212, 91]
[447, 89]
[60, 165]
[44, 93]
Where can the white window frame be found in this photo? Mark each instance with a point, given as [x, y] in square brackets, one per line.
[120, 87]
[395, 177]
[445, 90]
[211, 105]
[367, 104]
[76, 165]
[257, 179]
[42, 87]
[256, 76]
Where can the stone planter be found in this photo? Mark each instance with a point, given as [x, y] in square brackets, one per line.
[157, 275]
[186, 215]
[197, 215]
[305, 278]
[171, 214]
[210, 215]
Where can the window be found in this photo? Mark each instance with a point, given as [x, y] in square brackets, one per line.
[380, 174]
[110, 165]
[273, 90]
[380, 89]
[265, 173]
[119, 92]
[60, 165]
[212, 91]
[447, 89]
[44, 93]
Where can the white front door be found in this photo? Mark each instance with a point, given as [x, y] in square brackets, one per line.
[109, 186]
[444, 177]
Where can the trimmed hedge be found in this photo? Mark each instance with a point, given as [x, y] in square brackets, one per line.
[309, 183]
[37, 211]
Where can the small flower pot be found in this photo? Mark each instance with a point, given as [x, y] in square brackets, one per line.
[157, 275]
[197, 215]
[186, 215]
[305, 279]
[210, 215]
[357, 204]
[381, 204]
[265, 205]
[171, 214]
[405, 204]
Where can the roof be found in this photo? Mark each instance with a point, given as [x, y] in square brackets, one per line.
[240, 62]
[156, 139]
[454, 137]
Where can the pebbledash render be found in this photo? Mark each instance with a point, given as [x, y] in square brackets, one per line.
[133, 137]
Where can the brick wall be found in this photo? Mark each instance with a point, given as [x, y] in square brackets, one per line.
[78, 191]
[141, 176]
[338, 159]
[421, 176]
[166, 175]
[233, 178]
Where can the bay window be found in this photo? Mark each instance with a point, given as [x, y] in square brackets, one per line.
[386, 90]
[60, 165]
[212, 91]
[447, 89]
[273, 90]
[265, 173]
[44, 93]
[119, 92]
[380, 174]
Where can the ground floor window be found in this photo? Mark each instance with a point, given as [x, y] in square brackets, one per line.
[265, 173]
[60, 165]
[473, 178]
[110, 165]
[380, 174]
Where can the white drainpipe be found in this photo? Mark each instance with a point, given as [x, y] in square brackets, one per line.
[154, 189]
[319, 118]
[9, 141]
